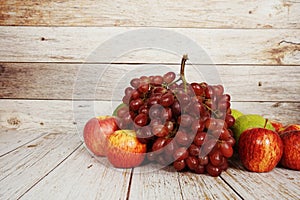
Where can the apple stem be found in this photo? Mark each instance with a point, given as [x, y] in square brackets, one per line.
[266, 123]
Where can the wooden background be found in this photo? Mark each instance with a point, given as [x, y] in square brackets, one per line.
[255, 46]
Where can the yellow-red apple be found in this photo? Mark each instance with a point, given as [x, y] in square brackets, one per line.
[96, 131]
[124, 149]
[291, 149]
[277, 125]
[290, 127]
[260, 149]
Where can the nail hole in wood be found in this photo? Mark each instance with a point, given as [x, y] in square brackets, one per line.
[275, 105]
[259, 83]
[43, 39]
[1, 69]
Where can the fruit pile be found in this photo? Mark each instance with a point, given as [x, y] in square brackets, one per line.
[164, 119]
[183, 124]
[263, 144]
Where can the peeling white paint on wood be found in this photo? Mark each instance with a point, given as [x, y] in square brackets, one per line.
[183, 13]
[94, 81]
[255, 45]
[223, 46]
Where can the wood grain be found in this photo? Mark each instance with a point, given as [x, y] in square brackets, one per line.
[205, 187]
[22, 121]
[82, 176]
[94, 81]
[22, 168]
[250, 185]
[134, 45]
[212, 14]
[160, 183]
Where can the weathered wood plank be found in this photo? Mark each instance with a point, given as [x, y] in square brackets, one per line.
[22, 121]
[25, 166]
[287, 113]
[105, 45]
[151, 182]
[81, 176]
[106, 82]
[28, 120]
[212, 14]
[277, 184]
[205, 187]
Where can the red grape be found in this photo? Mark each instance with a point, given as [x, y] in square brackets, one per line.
[181, 123]
[185, 120]
[182, 138]
[198, 90]
[159, 144]
[167, 99]
[200, 169]
[194, 150]
[160, 130]
[141, 120]
[157, 80]
[169, 77]
[226, 149]
[181, 153]
[203, 160]
[213, 170]
[192, 162]
[199, 138]
[135, 82]
[179, 164]
[215, 158]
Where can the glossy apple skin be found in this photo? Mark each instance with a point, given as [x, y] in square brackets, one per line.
[96, 131]
[260, 150]
[124, 149]
[290, 127]
[291, 150]
[277, 125]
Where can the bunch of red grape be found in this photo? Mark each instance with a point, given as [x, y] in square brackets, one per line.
[183, 124]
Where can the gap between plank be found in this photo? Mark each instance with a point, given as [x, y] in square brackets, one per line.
[142, 26]
[143, 63]
[178, 177]
[39, 136]
[50, 171]
[129, 184]
[231, 187]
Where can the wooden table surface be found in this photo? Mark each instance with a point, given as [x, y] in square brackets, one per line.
[44, 46]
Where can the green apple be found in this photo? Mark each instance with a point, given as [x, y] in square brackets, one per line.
[245, 122]
[236, 113]
[117, 108]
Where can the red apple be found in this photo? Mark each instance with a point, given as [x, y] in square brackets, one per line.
[277, 125]
[290, 127]
[124, 149]
[260, 149]
[291, 149]
[96, 131]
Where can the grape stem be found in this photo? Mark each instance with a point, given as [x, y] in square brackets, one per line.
[182, 76]
[213, 111]
[183, 60]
